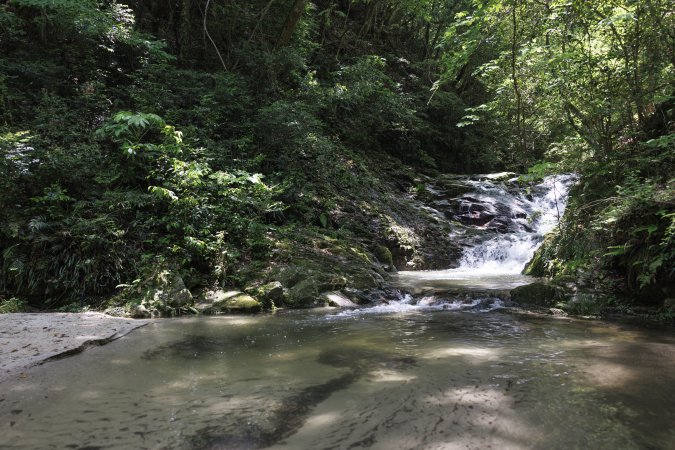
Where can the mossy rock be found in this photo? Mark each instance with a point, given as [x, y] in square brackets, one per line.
[240, 304]
[537, 293]
[453, 188]
[312, 273]
[307, 293]
[536, 265]
[163, 293]
[270, 294]
[383, 255]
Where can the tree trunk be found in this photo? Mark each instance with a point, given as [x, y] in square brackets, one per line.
[185, 31]
[370, 9]
[291, 21]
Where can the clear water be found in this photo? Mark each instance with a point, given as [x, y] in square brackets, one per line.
[420, 378]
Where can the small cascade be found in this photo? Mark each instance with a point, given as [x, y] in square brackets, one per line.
[407, 303]
[503, 224]
[536, 212]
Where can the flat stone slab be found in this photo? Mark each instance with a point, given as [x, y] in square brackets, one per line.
[337, 299]
[27, 340]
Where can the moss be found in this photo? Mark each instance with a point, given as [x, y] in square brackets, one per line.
[537, 293]
[383, 255]
[239, 304]
[270, 295]
[536, 265]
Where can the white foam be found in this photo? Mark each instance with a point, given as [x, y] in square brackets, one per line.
[509, 253]
[407, 303]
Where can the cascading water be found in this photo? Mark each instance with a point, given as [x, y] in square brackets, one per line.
[538, 211]
[504, 224]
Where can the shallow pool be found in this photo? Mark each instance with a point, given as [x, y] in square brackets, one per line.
[420, 378]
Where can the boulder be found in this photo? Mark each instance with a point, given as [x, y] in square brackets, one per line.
[270, 294]
[163, 293]
[139, 311]
[306, 293]
[116, 312]
[556, 312]
[240, 304]
[537, 293]
[206, 300]
[383, 255]
[338, 299]
[669, 303]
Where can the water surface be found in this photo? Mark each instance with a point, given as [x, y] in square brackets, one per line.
[406, 378]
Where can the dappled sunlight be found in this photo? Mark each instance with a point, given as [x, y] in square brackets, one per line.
[312, 379]
[477, 354]
[390, 377]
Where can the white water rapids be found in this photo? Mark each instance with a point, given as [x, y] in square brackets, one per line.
[509, 253]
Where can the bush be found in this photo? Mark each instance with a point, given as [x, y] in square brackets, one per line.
[13, 305]
[585, 305]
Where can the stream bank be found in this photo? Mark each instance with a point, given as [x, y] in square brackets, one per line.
[460, 224]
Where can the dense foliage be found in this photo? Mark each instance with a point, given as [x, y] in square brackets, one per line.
[195, 133]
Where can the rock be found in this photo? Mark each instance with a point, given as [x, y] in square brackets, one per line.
[338, 299]
[139, 312]
[240, 304]
[207, 299]
[453, 188]
[428, 301]
[162, 294]
[383, 255]
[115, 312]
[234, 302]
[669, 303]
[556, 312]
[306, 293]
[537, 293]
[270, 294]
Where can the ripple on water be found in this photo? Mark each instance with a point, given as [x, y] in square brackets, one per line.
[423, 378]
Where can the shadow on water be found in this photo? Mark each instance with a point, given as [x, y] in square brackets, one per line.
[425, 380]
[291, 415]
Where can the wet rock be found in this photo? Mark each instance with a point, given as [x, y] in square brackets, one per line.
[339, 299]
[556, 312]
[537, 293]
[428, 301]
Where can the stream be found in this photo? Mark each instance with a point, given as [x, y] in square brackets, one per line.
[420, 378]
[411, 374]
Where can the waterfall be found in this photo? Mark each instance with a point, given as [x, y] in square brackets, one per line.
[538, 212]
